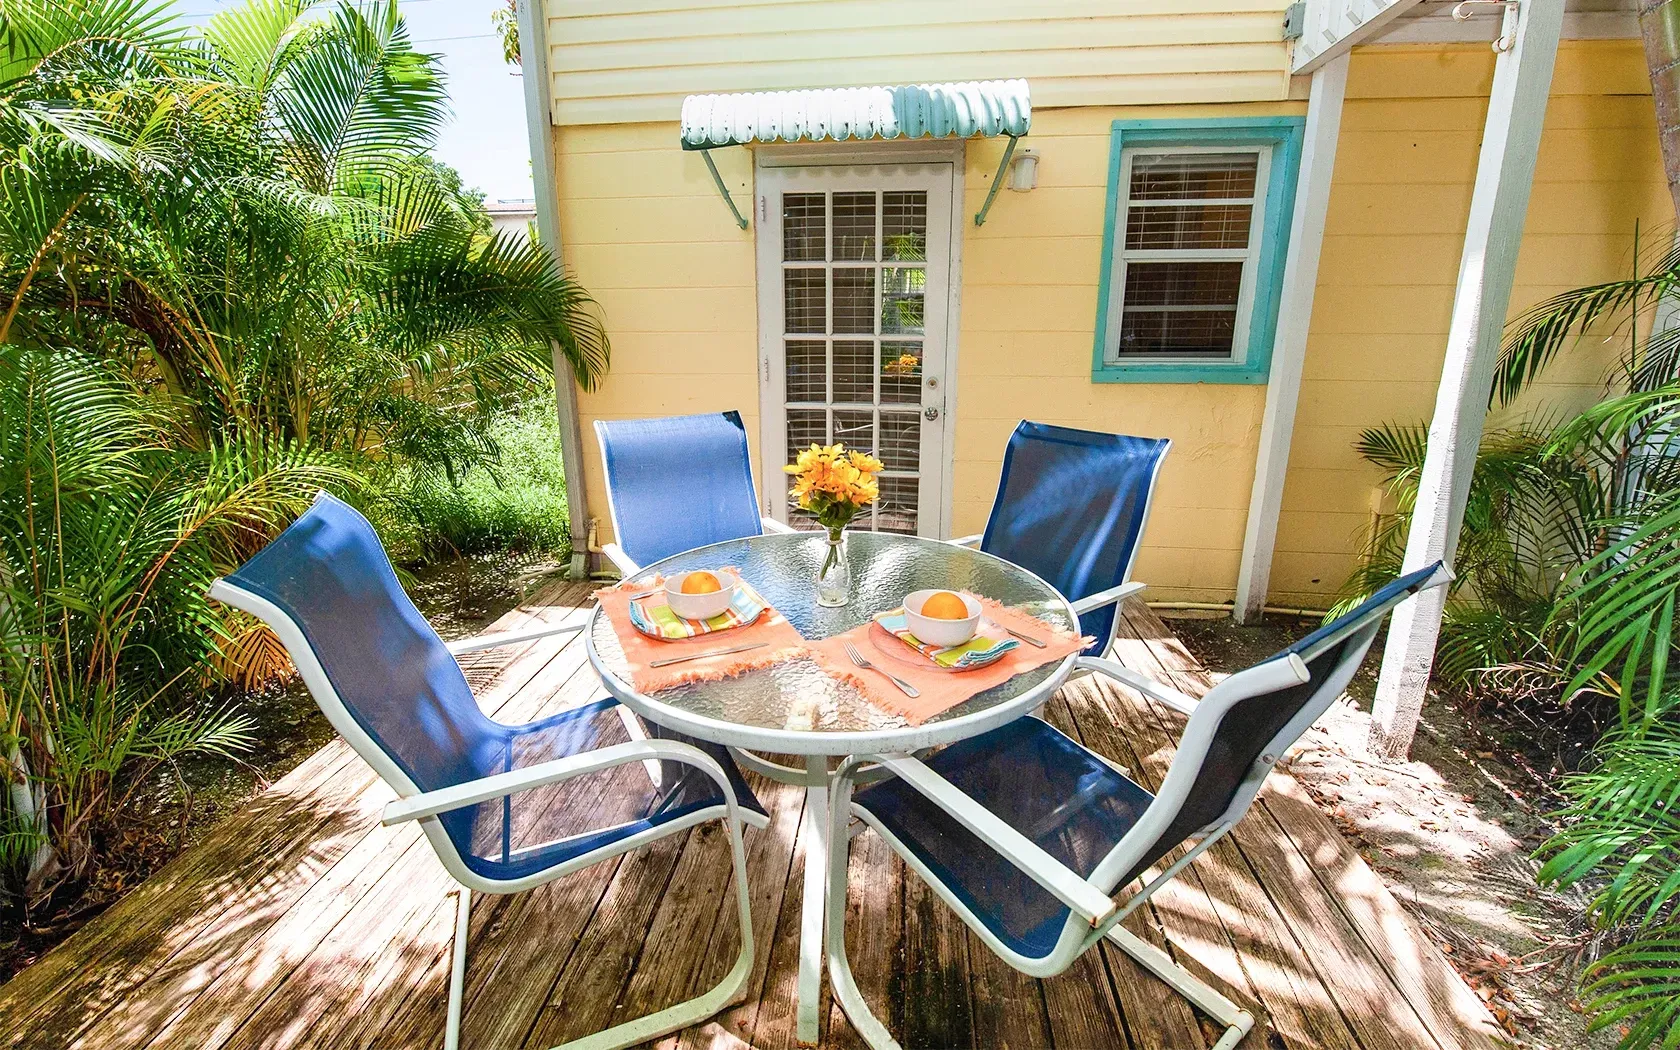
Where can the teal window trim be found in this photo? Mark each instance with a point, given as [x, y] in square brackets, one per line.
[1283, 135]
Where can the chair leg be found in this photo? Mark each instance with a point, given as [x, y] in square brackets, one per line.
[1237, 1021]
[727, 992]
[458, 968]
[840, 979]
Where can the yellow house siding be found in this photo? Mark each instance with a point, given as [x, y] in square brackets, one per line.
[645, 231]
[1406, 163]
[612, 62]
[643, 228]
[1029, 302]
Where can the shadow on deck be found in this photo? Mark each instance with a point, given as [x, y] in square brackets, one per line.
[302, 923]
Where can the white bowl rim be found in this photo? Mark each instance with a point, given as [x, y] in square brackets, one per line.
[976, 610]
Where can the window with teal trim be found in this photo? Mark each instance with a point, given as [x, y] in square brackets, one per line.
[1194, 242]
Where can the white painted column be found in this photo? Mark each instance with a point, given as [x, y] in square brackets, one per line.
[539, 127]
[1289, 348]
[1522, 80]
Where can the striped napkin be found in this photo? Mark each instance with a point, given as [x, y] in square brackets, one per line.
[653, 616]
[976, 652]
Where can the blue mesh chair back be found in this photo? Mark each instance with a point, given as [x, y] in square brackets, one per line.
[395, 678]
[678, 483]
[1332, 655]
[1077, 807]
[1071, 507]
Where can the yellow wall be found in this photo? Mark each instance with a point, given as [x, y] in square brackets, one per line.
[645, 231]
[620, 61]
[1411, 129]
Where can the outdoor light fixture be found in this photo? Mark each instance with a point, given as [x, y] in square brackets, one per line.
[1023, 171]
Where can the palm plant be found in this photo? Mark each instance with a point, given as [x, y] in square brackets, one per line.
[1573, 539]
[228, 276]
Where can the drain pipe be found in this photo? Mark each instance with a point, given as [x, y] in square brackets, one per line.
[1275, 610]
[539, 127]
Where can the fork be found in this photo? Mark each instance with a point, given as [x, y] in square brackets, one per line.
[857, 658]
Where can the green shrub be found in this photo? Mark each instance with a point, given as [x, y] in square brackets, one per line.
[515, 500]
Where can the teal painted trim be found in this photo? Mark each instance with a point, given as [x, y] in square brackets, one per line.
[997, 181]
[723, 191]
[1284, 135]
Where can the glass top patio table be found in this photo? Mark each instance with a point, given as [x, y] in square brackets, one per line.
[769, 709]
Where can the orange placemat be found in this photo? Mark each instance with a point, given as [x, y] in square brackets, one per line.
[780, 642]
[940, 689]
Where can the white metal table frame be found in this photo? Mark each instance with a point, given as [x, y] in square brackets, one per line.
[817, 747]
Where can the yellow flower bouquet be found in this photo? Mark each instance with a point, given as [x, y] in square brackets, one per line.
[834, 485]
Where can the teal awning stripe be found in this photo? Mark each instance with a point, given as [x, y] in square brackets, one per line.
[984, 108]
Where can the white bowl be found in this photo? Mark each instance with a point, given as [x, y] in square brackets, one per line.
[699, 606]
[943, 633]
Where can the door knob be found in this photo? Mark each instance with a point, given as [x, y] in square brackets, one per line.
[930, 412]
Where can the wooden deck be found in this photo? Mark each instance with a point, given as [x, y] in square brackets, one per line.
[302, 923]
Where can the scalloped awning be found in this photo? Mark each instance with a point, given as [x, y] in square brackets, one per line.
[977, 108]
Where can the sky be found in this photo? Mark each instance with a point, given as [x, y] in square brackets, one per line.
[486, 141]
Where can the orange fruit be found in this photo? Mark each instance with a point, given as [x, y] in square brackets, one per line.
[943, 605]
[701, 582]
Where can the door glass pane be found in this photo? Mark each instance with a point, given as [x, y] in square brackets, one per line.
[854, 372]
[807, 370]
[854, 227]
[904, 226]
[901, 440]
[805, 427]
[901, 373]
[898, 505]
[854, 429]
[902, 289]
[854, 300]
[805, 302]
[803, 221]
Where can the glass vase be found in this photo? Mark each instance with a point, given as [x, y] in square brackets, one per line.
[834, 579]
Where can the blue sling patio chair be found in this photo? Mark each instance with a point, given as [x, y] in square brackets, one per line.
[1071, 506]
[506, 807]
[1030, 837]
[677, 483]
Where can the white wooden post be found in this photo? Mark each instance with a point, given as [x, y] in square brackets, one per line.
[1289, 349]
[1522, 80]
[539, 127]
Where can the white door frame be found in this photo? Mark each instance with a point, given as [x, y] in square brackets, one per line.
[941, 159]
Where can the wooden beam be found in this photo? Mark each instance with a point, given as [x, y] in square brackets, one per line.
[1289, 351]
[1522, 79]
[1335, 27]
[539, 127]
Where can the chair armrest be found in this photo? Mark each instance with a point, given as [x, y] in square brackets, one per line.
[443, 800]
[500, 638]
[620, 560]
[1068, 886]
[966, 541]
[772, 525]
[1142, 683]
[1108, 597]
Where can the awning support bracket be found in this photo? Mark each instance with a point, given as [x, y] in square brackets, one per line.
[997, 181]
[723, 191]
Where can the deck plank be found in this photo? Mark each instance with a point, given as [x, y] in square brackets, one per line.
[302, 924]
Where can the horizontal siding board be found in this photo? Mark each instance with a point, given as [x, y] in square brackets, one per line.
[634, 62]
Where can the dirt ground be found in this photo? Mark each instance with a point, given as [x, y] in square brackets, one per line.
[1451, 832]
[179, 804]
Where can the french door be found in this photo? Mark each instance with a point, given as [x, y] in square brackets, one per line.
[854, 271]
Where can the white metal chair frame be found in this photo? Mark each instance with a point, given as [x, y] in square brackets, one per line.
[1094, 911]
[626, 565]
[413, 804]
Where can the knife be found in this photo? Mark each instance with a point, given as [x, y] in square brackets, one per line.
[701, 656]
